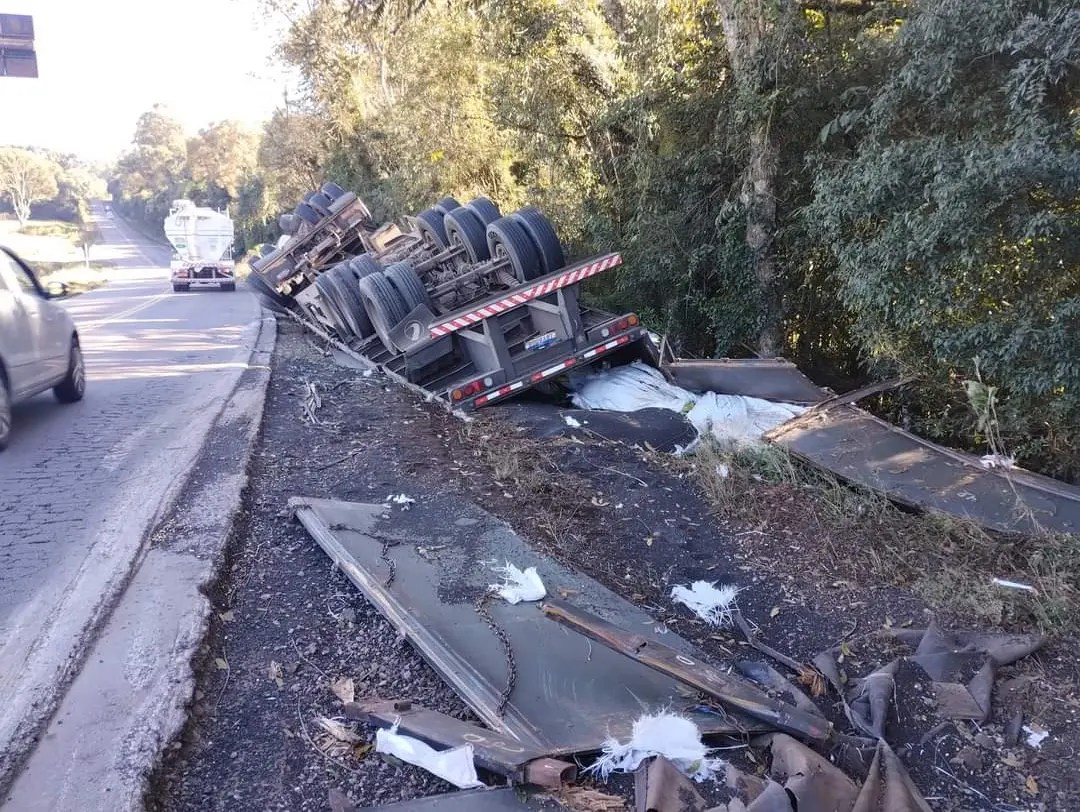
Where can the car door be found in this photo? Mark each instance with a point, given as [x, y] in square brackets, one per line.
[18, 336]
[53, 334]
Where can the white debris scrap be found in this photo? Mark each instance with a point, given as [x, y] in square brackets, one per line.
[572, 421]
[455, 765]
[991, 461]
[1036, 736]
[663, 734]
[400, 499]
[1014, 585]
[710, 603]
[518, 585]
[733, 420]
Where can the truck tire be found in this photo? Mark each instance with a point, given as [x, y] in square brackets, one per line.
[332, 190]
[289, 224]
[228, 287]
[351, 290]
[543, 237]
[408, 284]
[306, 213]
[5, 412]
[328, 299]
[446, 205]
[464, 227]
[506, 238]
[483, 208]
[348, 300]
[320, 202]
[384, 306]
[430, 223]
[270, 297]
[364, 265]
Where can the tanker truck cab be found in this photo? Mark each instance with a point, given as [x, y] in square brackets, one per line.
[202, 241]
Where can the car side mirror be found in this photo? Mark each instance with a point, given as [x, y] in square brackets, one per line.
[56, 290]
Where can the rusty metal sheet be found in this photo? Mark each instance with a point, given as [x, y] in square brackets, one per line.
[570, 694]
[765, 378]
[867, 451]
[480, 800]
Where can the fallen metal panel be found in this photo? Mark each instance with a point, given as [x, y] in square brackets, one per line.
[570, 695]
[481, 800]
[765, 378]
[860, 448]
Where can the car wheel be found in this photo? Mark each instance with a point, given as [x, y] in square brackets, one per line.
[5, 414]
[73, 386]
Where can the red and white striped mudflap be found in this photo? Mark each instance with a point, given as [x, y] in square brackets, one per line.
[536, 377]
[522, 297]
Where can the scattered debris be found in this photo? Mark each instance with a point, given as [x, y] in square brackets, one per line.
[518, 585]
[660, 786]
[454, 766]
[710, 603]
[662, 734]
[572, 421]
[1036, 735]
[401, 499]
[1014, 585]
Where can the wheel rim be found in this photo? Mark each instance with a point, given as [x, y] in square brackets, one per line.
[78, 371]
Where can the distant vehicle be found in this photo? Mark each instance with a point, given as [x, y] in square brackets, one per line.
[202, 241]
[39, 345]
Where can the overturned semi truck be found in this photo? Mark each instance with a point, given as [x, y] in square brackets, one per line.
[466, 303]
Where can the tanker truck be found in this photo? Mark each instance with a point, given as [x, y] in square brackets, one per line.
[202, 241]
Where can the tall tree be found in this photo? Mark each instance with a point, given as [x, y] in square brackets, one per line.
[223, 155]
[26, 178]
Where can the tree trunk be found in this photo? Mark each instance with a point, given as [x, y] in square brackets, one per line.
[747, 30]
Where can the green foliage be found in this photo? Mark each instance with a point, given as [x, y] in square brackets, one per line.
[954, 223]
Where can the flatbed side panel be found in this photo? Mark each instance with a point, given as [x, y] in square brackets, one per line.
[861, 448]
[769, 379]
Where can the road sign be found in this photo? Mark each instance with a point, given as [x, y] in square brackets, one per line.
[17, 56]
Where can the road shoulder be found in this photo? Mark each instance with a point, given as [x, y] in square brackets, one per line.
[130, 698]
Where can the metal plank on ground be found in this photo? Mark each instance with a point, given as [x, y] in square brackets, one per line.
[569, 695]
[865, 450]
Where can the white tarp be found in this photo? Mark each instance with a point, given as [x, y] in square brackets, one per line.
[732, 419]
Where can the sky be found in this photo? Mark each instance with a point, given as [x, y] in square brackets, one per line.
[102, 63]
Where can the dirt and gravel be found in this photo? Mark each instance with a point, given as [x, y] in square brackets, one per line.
[288, 625]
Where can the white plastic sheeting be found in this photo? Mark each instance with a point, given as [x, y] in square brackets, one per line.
[518, 585]
[664, 734]
[455, 765]
[733, 420]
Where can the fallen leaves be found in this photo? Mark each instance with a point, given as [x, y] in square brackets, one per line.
[276, 673]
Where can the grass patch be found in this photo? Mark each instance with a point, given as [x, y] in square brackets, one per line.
[77, 277]
[948, 562]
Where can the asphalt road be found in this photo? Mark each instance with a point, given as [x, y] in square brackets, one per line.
[81, 485]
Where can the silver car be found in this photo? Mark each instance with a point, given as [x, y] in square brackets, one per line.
[39, 345]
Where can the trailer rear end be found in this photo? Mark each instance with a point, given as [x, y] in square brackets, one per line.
[468, 305]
